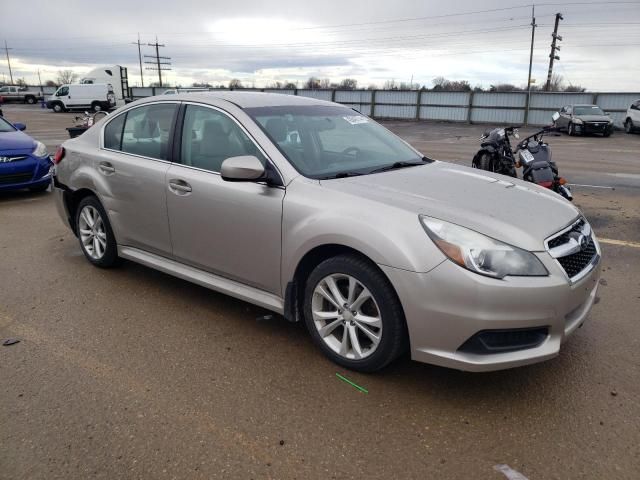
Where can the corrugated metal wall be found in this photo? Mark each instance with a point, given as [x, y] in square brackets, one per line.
[475, 107]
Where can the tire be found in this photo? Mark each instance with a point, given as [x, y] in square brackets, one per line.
[607, 134]
[100, 253]
[571, 130]
[39, 188]
[30, 100]
[382, 309]
[96, 107]
[486, 162]
[58, 107]
[628, 126]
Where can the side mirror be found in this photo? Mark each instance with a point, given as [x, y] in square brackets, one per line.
[20, 126]
[245, 168]
[555, 117]
[608, 114]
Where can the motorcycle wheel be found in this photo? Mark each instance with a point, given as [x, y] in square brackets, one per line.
[486, 162]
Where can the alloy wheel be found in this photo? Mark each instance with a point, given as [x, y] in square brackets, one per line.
[346, 316]
[92, 232]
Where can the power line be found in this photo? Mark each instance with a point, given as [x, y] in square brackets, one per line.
[6, 51]
[159, 65]
[139, 60]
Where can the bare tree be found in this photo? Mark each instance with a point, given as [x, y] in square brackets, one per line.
[575, 88]
[312, 83]
[390, 85]
[50, 83]
[556, 83]
[66, 76]
[504, 87]
[235, 83]
[441, 83]
[201, 85]
[289, 85]
[349, 84]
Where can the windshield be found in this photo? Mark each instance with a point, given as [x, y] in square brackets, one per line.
[6, 126]
[325, 141]
[588, 110]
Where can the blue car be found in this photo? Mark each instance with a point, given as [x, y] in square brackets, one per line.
[24, 162]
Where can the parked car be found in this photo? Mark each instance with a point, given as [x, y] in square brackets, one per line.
[96, 97]
[377, 248]
[584, 119]
[15, 93]
[632, 118]
[24, 162]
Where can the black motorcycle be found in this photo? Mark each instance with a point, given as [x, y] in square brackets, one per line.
[532, 153]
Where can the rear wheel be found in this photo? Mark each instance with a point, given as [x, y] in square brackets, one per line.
[628, 126]
[486, 162]
[353, 314]
[30, 100]
[96, 107]
[95, 234]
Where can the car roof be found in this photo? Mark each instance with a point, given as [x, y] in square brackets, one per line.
[248, 99]
[585, 105]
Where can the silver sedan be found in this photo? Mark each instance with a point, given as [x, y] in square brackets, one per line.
[316, 212]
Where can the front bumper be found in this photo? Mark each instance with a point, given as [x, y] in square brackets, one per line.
[448, 305]
[25, 173]
[594, 127]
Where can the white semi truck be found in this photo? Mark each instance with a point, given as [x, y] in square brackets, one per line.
[116, 76]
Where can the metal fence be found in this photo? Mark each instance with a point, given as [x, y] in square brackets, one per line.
[470, 107]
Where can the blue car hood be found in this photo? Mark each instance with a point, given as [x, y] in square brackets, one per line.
[16, 142]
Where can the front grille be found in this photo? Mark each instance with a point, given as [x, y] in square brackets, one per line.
[573, 264]
[15, 178]
[564, 238]
[575, 248]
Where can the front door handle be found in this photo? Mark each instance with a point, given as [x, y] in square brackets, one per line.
[179, 187]
[106, 168]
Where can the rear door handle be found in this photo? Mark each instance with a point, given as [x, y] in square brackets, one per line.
[179, 187]
[106, 168]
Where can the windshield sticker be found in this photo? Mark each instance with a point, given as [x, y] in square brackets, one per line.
[356, 119]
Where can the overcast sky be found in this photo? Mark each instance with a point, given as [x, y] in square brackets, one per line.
[372, 41]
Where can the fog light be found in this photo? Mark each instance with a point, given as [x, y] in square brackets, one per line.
[501, 341]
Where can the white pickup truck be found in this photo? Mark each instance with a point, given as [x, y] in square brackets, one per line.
[15, 93]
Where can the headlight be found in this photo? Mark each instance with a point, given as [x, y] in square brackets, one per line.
[479, 253]
[577, 121]
[40, 150]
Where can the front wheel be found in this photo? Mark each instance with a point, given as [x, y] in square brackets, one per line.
[58, 108]
[571, 130]
[95, 234]
[628, 126]
[353, 314]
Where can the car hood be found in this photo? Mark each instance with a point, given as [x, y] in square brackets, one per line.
[593, 118]
[16, 142]
[513, 211]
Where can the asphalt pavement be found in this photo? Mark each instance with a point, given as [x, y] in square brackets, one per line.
[130, 373]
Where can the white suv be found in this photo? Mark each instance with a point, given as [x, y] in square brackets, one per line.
[632, 119]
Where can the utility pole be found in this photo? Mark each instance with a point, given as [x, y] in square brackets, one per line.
[159, 65]
[6, 50]
[139, 60]
[533, 36]
[552, 55]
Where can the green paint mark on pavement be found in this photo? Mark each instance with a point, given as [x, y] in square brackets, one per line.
[344, 379]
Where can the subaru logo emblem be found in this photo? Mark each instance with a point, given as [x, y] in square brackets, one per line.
[583, 241]
[5, 159]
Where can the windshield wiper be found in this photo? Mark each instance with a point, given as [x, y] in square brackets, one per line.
[396, 166]
[341, 175]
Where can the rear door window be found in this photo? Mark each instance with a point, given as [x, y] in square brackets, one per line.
[113, 133]
[147, 130]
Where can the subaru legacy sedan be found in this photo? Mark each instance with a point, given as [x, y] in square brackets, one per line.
[315, 211]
